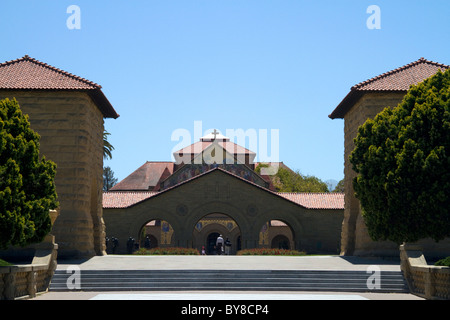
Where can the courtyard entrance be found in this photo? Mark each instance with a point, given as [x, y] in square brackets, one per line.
[156, 233]
[208, 229]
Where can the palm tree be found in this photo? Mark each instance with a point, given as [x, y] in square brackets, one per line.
[107, 147]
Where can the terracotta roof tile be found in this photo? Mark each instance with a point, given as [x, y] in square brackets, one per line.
[146, 177]
[399, 79]
[28, 73]
[402, 78]
[125, 199]
[316, 200]
[200, 146]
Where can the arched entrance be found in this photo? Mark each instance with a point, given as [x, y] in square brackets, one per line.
[276, 234]
[156, 233]
[281, 242]
[210, 226]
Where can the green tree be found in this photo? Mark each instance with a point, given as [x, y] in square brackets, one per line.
[109, 180]
[27, 188]
[402, 161]
[286, 180]
[339, 187]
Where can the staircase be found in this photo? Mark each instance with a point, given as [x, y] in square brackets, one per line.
[241, 280]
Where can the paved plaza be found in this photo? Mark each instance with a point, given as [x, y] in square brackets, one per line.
[123, 262]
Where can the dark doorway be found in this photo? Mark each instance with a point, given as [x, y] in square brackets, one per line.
[212, 238]
[280, 242]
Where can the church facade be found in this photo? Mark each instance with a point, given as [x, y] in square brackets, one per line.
[213, 189]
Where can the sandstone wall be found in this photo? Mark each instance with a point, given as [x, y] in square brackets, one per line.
[249, 206]
[71, 130]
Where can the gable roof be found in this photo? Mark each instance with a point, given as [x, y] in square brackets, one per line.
[28, 73]
[146, 177]
[200, 146]
[397, 80]
[123, 199]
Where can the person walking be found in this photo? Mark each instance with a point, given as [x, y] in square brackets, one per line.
[219, 244]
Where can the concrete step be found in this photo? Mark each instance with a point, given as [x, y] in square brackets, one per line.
[258, 280]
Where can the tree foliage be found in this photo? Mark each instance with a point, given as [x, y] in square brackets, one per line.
[402, 161]
[286, 180]
[27, 189]
[109, 180]
[107, 146]
[339, 187]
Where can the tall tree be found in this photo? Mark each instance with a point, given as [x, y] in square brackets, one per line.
[109, 180]
[402, 161]
[27, 188]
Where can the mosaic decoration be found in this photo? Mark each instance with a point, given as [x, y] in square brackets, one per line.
[227, 223]
[166, 232]
[264, 234]
[190, 171]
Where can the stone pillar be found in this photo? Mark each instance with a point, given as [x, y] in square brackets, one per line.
[71, 130]
[355, 240]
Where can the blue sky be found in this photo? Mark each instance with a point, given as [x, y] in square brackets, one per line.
[235, 64]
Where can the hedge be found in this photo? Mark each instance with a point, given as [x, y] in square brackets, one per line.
[270, 252]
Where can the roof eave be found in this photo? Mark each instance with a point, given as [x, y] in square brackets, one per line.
[103, 104]
[352, 98]
[346, 104]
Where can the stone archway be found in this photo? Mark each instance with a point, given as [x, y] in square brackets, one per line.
[156, 233]
[276, 234]
[210, 226]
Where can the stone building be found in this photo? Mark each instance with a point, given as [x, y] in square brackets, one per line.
[213, 189]
[364, 101]
[67, 111]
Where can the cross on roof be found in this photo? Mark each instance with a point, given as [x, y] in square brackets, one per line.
[215, 133]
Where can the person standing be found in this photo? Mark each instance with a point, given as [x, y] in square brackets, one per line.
[227, 247]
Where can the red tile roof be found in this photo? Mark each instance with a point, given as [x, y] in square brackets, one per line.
[146, 177]
[316, 200]
[28, 73]
[397, 80]
[200, 146]
[125, 199]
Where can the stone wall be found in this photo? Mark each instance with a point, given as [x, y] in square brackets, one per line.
[355, 239]
[430, 282]
[71, 130]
